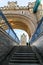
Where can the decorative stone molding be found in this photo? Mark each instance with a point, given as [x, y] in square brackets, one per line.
[14, 6]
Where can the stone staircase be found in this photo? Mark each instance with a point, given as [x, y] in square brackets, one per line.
[23, 55]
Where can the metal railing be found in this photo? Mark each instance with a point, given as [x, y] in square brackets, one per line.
[38, 32]
[9, 25]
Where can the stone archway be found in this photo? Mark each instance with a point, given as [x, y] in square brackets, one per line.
[22, 22]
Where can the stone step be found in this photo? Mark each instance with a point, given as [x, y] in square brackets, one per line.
[24, 61]
[24, 58]
[24, 64]
[23, 54]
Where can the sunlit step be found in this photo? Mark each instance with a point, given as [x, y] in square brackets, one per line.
[23, 64]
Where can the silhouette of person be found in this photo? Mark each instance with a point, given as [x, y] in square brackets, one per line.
[27, 43]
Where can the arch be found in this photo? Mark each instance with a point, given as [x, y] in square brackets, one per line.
[19, 21]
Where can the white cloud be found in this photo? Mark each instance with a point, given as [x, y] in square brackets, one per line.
[1, 0]
[42, 2]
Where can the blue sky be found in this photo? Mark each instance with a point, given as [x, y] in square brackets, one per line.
[20, 2]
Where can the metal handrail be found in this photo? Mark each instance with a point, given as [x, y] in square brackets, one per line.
[41, 34]
[37, 32]
[9, 25]
[7, 35]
